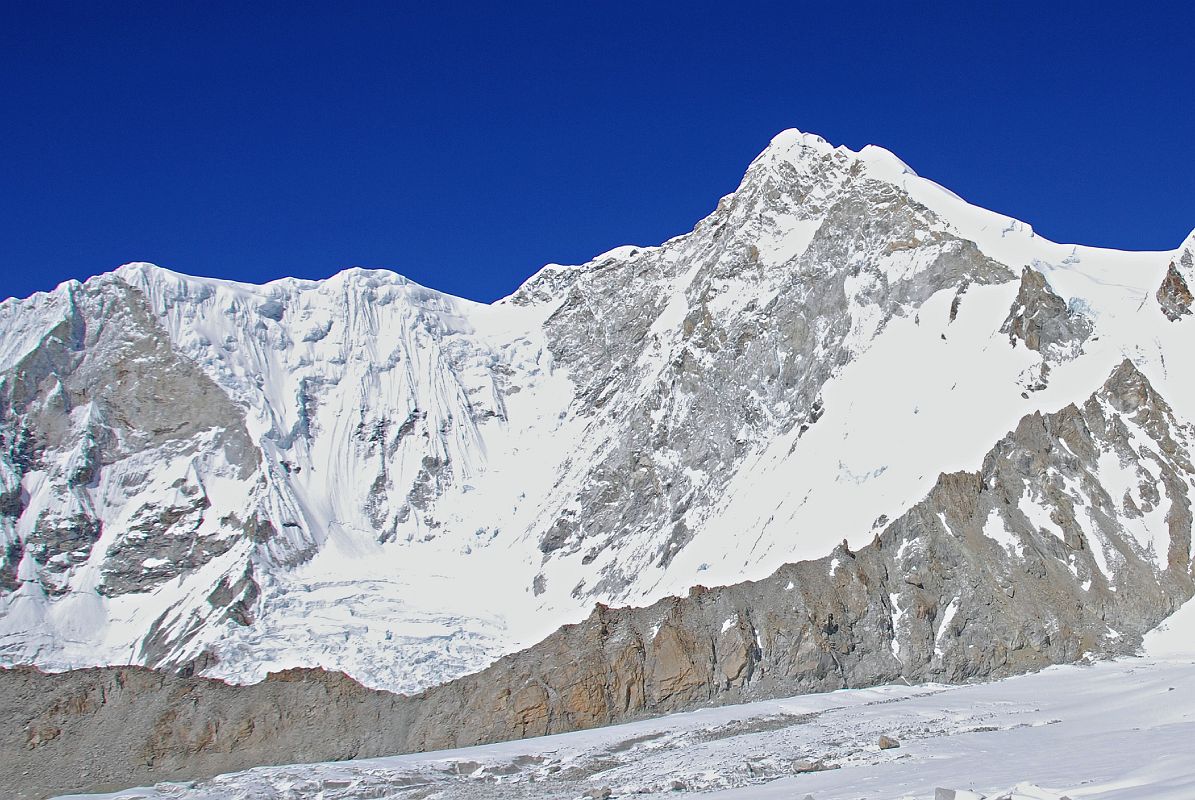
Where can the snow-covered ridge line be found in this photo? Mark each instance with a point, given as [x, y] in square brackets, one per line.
[982, 225]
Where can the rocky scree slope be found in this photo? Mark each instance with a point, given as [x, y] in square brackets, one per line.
[104, 729]
[225, 479]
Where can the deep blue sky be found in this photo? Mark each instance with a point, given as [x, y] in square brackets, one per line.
[467, 145]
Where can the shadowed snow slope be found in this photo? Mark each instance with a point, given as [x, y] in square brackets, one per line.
[370, 476]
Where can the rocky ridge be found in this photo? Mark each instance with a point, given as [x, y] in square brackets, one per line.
[109, 728]
[1174, 295]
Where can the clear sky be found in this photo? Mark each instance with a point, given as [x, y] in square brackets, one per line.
[466, 144]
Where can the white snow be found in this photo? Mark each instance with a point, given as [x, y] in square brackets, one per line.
[1125, 482]
[1174, 638]
[944, 626]
[995, 529]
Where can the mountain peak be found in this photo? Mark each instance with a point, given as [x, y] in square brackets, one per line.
[797, 146]
[792, 142]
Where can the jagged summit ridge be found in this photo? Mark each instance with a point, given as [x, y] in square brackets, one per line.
[796, 370]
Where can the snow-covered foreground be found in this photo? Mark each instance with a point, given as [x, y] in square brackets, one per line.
[1120, 729]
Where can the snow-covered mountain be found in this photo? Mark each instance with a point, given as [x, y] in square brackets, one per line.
[371, 476]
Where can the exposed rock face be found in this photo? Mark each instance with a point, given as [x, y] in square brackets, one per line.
[1174, 296]
[104, 387]
[98, 729]
[110, 446]
[1041, 319]
[989, 575]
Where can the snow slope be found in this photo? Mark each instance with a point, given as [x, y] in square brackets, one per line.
[435, 482]
[1175, 638]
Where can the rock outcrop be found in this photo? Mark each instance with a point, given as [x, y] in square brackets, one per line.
[105, 387]
[111, 728]
[1174, 296]
[1041, 319]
